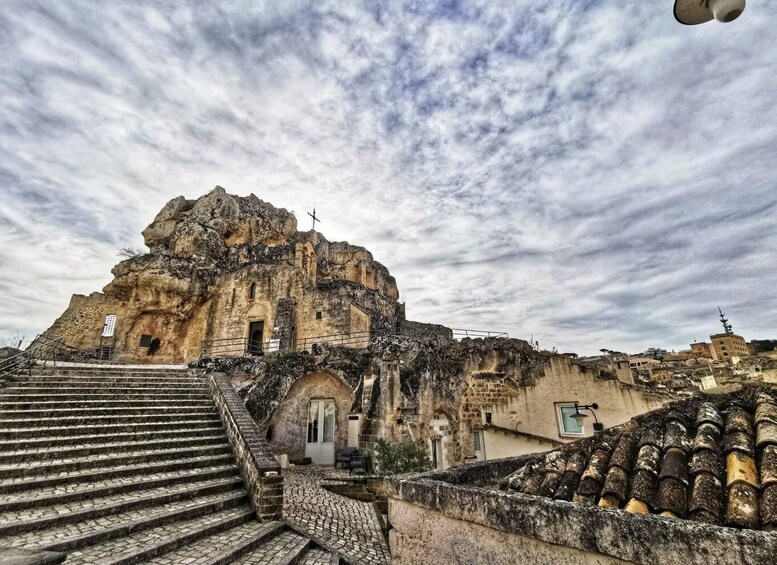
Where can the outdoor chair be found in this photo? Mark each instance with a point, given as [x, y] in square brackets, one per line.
[343, 456]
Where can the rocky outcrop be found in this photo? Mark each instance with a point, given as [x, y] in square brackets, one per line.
[218, 263]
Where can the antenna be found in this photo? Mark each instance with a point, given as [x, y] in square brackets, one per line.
[723, 320]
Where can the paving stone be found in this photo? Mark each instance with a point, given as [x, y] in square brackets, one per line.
[349, 526]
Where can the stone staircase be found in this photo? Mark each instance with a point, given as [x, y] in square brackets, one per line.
[115, 466]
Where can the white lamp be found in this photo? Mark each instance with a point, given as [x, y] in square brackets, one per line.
[692, 12]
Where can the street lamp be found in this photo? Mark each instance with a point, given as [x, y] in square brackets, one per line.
[579, 416]
[692, 12]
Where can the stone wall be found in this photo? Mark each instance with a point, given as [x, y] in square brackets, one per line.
[444, 515]
[259, 469]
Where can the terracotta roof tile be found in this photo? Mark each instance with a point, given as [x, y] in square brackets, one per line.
[624, 452]
[709, 414]
[769, 507]
[707, 437]
[737, 420]
[648, 458]
[616, 484]
[769, 465]
[739, 441]
[675, 465]
[672, 497]
[742, 509]
[766, 433]
[676, 436]
[643, 487]
[707, 461]
[711, 459]
[706, 497]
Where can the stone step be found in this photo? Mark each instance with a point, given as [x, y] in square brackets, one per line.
[22, 424]
[103, 376]
[110, 385]
[118, 391]
[104, 403]
[69, 537]
[101, 369]
[224, 547]
[82, 449]
[109, 460]
[5, 396]
[33, 519]
[110, 437]
[61, 493]
[315, 556]
[20, 484]
[150, 543]
[287, 548]
[39, 413]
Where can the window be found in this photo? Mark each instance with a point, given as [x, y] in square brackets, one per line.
[476, 441]
[145, 340]
[567, 425]
[252, 291]
[318, 315]
[109, 326]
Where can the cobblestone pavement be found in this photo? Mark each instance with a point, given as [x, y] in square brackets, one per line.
[349, 526]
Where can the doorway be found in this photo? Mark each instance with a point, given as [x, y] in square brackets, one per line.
[320, 440]
[437, 455]
[255, 338]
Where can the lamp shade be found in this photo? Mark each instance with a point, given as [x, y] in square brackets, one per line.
[579, 417]
[693, 12]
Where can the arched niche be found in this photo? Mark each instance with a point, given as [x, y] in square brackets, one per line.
[289, 421]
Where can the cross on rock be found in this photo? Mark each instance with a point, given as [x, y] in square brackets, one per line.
[315, 218]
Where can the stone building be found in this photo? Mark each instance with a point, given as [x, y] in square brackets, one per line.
[725, 346]
[227, 275]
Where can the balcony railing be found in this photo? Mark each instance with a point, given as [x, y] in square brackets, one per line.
[242, 347]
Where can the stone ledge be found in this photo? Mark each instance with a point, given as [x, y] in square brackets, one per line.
[260, 471]
[638, 538]
[30, 557]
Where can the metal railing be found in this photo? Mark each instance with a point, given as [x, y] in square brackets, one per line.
[461, 334]
[236, 347]
[243, 347]
[42, 348]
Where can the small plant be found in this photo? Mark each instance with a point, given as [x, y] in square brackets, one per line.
[397, 458]
[129, 251]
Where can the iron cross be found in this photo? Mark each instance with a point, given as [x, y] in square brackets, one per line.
[315, 218]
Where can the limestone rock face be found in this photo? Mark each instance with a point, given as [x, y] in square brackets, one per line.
[220, 263]
[206, 227]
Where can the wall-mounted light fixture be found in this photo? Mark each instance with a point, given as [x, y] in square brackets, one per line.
[579, 416]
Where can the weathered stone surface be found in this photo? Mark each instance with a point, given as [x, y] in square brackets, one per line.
[220, 262]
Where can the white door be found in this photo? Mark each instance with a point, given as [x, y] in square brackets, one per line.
[320, 442]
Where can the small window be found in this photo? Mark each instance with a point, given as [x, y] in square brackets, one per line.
[476, 441]
[145, 340]
[252, 291]
[568, 426]
[109, 325]
[318, 315]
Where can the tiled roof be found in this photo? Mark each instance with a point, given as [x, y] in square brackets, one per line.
[711, 459]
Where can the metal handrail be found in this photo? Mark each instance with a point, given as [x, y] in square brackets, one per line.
[462, 333]
[42, 348]
[232, 346]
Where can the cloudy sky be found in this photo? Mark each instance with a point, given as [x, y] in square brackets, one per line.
[587, 172]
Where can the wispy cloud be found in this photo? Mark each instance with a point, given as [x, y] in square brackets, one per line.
[588, 172]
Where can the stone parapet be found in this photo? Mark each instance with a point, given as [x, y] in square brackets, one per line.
[260, 471]
[442, 507]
